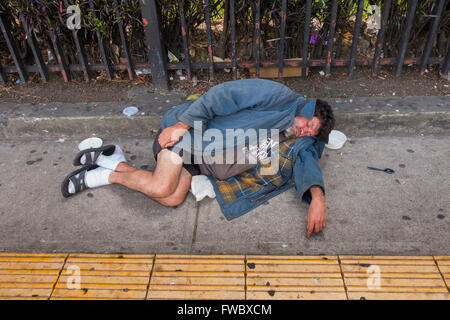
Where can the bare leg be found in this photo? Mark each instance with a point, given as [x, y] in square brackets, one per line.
[168, 183]
[180, 193]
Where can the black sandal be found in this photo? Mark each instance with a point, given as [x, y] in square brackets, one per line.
[78, 179]
[105, 150]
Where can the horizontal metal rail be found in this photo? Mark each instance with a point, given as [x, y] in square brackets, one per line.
[227, 65]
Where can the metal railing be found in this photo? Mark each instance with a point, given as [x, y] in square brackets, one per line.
[157, 56]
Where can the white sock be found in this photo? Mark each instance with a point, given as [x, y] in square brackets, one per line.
[94, 178]
[109, 162]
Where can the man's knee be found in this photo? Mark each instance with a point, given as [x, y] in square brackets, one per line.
[165, 188]
[181, 191]
[168, 157]
[173, 201]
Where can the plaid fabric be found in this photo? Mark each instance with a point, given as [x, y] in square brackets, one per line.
[252, 180]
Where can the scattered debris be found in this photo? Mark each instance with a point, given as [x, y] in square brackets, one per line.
[172, 57]
[51, 57]
[194, 96]
[348, 35]
[142, 71]
[194, 81]
[129, 111]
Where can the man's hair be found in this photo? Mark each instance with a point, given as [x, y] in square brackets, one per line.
[324, 112]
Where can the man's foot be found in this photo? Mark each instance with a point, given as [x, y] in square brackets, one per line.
[87, 177]
[107, 157]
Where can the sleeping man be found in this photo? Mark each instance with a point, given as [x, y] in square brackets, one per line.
[253, 138]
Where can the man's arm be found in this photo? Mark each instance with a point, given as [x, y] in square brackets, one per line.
[317, 213]
[310, 186]
[230, 97]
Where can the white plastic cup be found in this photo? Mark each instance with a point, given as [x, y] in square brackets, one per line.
[336, 140]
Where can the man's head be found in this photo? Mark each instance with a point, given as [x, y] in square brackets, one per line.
[320, 125]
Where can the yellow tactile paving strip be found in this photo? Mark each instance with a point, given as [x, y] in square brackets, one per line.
[115, 276]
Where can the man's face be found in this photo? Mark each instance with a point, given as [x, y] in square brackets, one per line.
[306, 128]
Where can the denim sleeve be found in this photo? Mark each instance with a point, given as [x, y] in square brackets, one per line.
[307, 172]
[233, 96]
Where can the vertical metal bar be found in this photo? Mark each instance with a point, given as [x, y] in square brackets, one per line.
[185, 40]
[258, 36]
[446, 65]
[380, 37]
[12, 47]
[233, 40]
[153, 38]
[35, 50]
[208, 35]
[306, 36]
[3, 78]
[355, 36]
[81, 55]
[106, 63]
[123, 38]
[80, 50]
[282, 35]
[331, 37]
[431, 35]
[405, 36]
[65, 72]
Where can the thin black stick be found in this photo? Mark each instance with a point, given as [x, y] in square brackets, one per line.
[65, 71]
[101, 45]
[306, 36]
[126, 50]
[80, 50]
[380, 37]
[431, 35]
[331, 37]
[3, 78]
[258, 36]
[233, 40]
[446, 65]
[185, 40]
[356, 36]
[35, 50]
[4, 26]
[282, 36]
[209, 38]
[405, 36]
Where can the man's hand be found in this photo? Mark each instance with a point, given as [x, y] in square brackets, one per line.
[317, 213]
[171, 135]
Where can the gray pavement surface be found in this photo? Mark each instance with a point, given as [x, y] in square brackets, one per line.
[356, 116]
[369, 212]
[406, 213]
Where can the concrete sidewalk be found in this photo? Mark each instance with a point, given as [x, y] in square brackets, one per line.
[369, 213]
[355, 116]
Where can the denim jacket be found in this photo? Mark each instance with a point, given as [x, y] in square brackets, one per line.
[257, 104]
